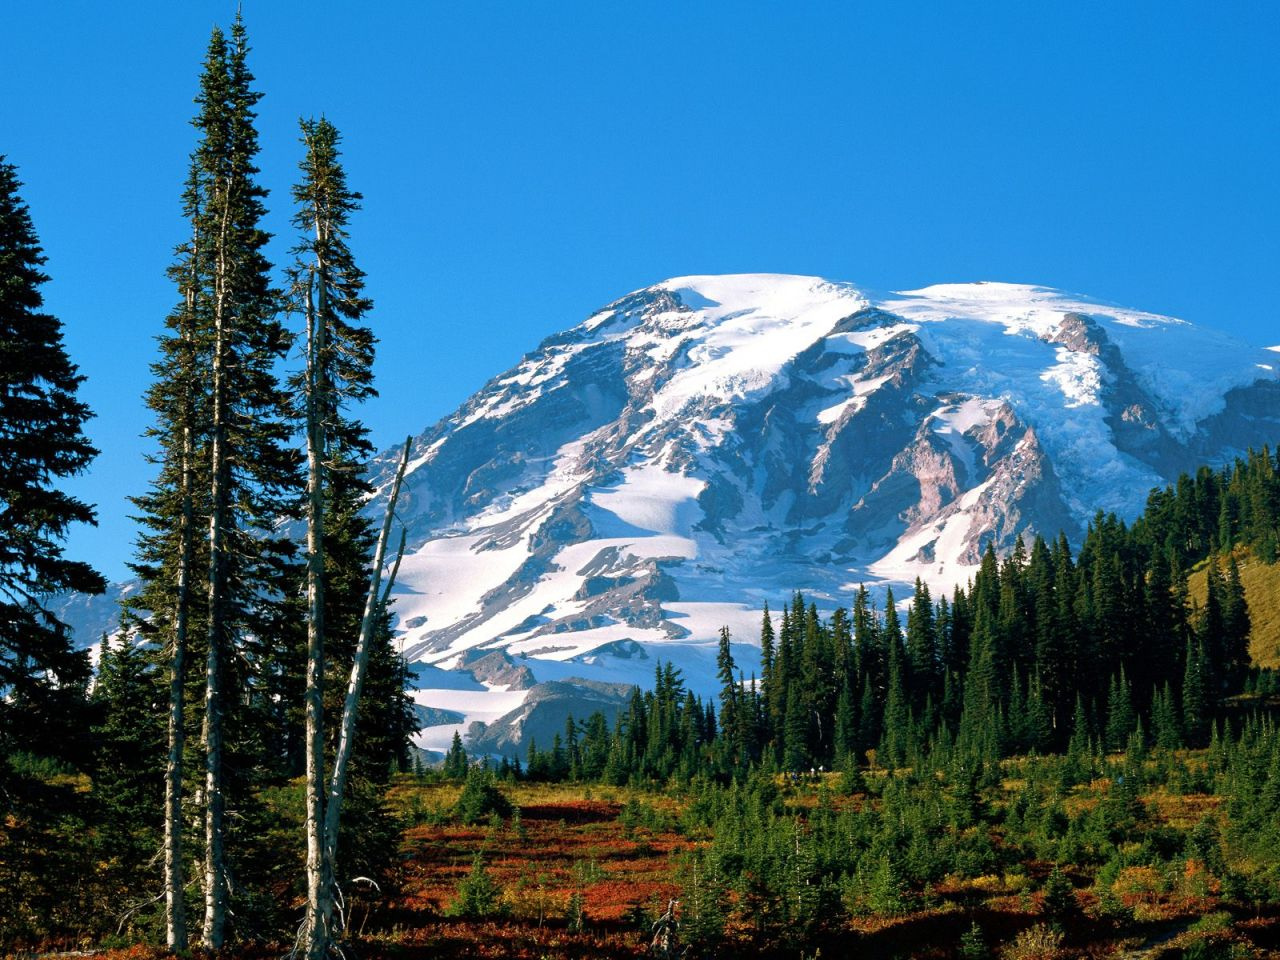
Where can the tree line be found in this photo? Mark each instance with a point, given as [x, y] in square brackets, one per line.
[1047, 650]
[257, 640]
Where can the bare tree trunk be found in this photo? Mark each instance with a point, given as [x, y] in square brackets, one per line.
[374, 605]
[315, 922]
[215, 872]
[175, 906]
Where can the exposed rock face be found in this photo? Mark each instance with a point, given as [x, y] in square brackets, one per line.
[543, 713]
[1133, 415]
[496, 669]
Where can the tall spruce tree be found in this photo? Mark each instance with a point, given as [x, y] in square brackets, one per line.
[167, 609]
[252, 470]
[327, 289]
[222, 428]
[128, 741]
[42, 442]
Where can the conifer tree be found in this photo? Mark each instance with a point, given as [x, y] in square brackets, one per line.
[128, 739]
[1039, 722]
[224, 465]
[42, 442]
[732, 718]
[766, 651]
[455, 760]
[250, 466]
[1164, 719]
[1236, 625]
[1195, 695]
[922, 651]
[327, 289]
[1120, 715]
[167, 608]
[1212, 634]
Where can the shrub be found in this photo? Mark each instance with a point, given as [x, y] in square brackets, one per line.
[1041, 942]
[972, 944]
[478, 894]
[1059, 894]
[480, 798]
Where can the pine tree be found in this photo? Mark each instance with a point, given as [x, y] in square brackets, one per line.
[1081, 741]
[1039, 721]
[766, 651]
[1212, 634]
[455, 760]
[897, 715]
[922, 653]
[327, 289]
[1120, 715]
[795, 746]
[1164, 719]
[846, 730]
[250, 466]
[1236, 626]
[221, 426]
[731, 719]
[42, 442]
[1195, 696]
[129, 745]
[167, 609]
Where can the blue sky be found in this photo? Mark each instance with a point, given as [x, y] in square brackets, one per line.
[524, 164]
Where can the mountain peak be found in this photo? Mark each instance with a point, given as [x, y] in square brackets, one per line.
[709, 442]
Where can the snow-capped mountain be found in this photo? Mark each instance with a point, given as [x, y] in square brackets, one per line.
[661, 469]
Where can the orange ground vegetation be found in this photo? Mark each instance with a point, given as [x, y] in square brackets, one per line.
[569, 841]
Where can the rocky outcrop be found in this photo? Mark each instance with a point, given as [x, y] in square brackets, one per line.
[542, 716]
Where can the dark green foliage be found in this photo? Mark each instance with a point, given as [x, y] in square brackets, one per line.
[1059, 895]
[703, 901]
[478, 894]
[129, 738]
[1120, 717]
[972, 944]
[1044, 651]
[455, 761]
[42, 443]
[46, 849]
[326, 278]
[480, 798]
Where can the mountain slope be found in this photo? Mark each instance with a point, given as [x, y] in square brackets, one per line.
[708, 443]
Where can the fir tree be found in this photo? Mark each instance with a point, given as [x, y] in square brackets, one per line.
[455, 761]
[732, 720]
[1164, 719]
[128, 740]
[327, 289]
[1120, 715]
[224, 464]
[922, 653]
[42, 442]
[1236, 626]
[1195, 695]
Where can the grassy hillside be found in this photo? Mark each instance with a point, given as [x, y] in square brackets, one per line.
[1262, 593]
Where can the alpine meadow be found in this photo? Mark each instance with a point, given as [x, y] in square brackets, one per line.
[748, 615]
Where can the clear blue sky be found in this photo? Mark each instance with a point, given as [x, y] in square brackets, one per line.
[525, 163]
